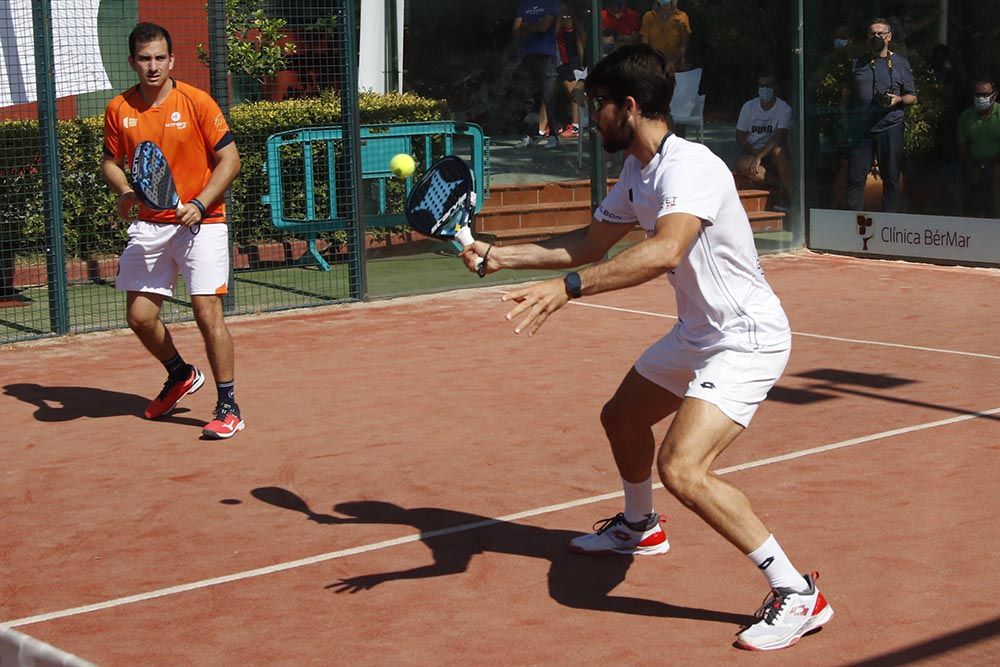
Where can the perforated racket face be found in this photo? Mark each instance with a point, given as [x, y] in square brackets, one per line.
[151, 177]
[442, 202]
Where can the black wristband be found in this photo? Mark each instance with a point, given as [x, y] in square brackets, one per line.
[573, 284]
[198, 205]
[481, 269]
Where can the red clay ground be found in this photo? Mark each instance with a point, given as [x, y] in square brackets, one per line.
[357, 435]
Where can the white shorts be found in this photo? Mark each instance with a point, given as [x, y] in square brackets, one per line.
[734, 381]
[157, 252]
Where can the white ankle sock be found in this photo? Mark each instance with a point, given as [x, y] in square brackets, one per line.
[638, 499]
[772, 561]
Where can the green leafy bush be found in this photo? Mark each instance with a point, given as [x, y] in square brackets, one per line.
[90, 221]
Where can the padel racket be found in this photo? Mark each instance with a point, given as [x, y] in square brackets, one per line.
[151, 178]
[442, 203]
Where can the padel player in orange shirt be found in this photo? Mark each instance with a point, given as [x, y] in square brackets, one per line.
[192, 241]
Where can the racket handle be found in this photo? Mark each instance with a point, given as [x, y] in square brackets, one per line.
[464, 237]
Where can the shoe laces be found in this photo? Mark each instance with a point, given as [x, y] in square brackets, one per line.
[772, 606]
[223, 409]
[168, 384]
[604, 525]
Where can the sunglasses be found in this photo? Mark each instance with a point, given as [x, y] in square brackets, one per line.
[597, 102]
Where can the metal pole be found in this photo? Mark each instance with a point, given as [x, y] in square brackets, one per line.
[55, 246]
[357, 276]
[218, 73]
[391, 68]
[598, 178]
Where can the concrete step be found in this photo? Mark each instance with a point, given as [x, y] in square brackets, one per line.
[504, 196]
[766, 221]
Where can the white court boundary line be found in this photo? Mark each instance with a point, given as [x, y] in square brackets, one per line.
[807, 335]
[408, 539]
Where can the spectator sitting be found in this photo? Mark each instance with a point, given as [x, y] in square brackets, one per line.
[619, 25]
[668, 30]
[762, 135]
[979, 148]
[570, 40]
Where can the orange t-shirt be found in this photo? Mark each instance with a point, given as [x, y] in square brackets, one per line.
[188, 127]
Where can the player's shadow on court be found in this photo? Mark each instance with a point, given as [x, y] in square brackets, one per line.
[453, 537]
[60, 404]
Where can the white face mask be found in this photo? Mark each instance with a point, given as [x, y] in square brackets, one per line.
[765, 93]
[982, 103]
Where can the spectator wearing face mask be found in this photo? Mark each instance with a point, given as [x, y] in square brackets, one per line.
[878, 88]
[841, 37]
[979, 149]
[668, 30]
[762, 135]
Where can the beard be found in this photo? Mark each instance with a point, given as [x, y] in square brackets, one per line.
[618, 138]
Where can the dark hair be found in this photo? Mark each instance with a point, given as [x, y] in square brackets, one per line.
[880, 19]
[768, 71]
[985, 79]
[638, 71]
[144, 33]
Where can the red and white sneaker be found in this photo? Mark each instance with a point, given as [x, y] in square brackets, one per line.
[172, 393]
[570, 131]
[785, 616]
[225, 424]
[614, 536]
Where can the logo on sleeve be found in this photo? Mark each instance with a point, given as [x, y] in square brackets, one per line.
[667, 202]
[605, 213]
[220, 122]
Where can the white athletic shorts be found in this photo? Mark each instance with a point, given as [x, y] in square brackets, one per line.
[157, 252]
[732, 380]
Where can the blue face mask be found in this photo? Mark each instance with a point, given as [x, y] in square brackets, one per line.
[765, 93]
[839, 43]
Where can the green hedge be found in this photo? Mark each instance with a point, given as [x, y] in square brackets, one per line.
[89, 220]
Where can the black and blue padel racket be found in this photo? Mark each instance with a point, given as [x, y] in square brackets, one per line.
[442, 203]
[151, 178]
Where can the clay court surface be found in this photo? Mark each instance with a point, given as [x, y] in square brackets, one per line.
[411, 473]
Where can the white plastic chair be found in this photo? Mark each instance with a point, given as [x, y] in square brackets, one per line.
[688, 107]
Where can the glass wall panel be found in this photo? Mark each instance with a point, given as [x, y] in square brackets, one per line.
[464, 51]
[948, 149]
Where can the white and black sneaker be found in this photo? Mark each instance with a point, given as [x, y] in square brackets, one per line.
[785, 616]
[616, 536]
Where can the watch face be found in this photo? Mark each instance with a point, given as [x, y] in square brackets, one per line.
[573, 284]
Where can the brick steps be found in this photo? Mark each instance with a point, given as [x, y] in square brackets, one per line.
[519, 213]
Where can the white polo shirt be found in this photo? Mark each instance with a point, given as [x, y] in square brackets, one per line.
[723, 299]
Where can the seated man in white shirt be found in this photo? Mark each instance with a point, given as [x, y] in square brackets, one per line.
[762, 135]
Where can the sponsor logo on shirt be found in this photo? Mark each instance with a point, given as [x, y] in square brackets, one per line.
[667, 202]
[176, 121]
[220, 122]
[129, 122]
[762, 129]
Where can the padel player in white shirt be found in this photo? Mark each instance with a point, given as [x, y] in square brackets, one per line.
[714, 367]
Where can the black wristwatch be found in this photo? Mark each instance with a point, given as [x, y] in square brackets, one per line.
[573, 285]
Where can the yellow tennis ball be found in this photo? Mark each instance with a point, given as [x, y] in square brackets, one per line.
[402, 165]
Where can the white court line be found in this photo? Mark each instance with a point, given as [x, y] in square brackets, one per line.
[408, 539]
[807, 335]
